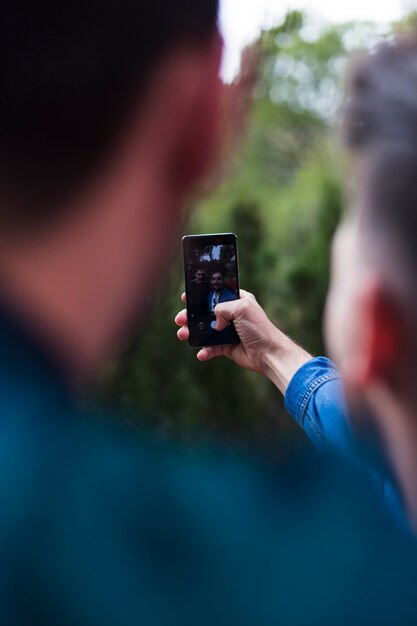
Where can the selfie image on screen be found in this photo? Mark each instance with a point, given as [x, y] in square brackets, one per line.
[211, 277]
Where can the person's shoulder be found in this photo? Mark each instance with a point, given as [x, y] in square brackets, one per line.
[230, 294]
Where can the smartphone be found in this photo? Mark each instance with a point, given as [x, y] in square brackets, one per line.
[211, 277]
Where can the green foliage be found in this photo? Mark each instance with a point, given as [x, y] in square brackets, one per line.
[283, 200]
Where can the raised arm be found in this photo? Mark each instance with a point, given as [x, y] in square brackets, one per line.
[263, 348]
[312, 387]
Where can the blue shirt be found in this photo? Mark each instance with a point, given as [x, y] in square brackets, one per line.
[315, 399]
[225, 296]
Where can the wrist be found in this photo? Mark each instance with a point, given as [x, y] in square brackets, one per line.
[283, 360]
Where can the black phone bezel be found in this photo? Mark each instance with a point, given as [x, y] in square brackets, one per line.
[196, 340]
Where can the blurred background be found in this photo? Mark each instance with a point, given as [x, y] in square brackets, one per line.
[283, 196]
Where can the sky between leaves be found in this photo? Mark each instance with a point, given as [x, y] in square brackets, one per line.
[241, 20]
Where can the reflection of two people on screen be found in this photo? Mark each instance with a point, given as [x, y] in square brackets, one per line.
[208, 291]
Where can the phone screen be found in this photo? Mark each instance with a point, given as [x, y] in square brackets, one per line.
[211, 277]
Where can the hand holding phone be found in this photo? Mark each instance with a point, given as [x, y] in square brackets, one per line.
[263, 348]
[211, 277]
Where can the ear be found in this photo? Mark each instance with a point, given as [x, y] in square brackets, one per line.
[198, 91]
[380, 337]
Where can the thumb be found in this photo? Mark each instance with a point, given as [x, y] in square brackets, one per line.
[225, 313]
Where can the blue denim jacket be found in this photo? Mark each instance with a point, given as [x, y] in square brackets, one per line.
[316, 401]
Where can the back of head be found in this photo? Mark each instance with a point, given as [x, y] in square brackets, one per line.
[381, 126]
[70, 73]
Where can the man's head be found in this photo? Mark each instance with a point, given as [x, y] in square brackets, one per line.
[72, 76]
[216, 281]
[372, 306]
[200, 276]
[109, 116]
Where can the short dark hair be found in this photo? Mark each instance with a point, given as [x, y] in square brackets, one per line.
[380, 124]
[69, 72]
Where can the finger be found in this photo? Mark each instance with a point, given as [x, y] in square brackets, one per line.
[181, 318]
[246, 294]
[228, 311]
[183, 297]
[183, 333]
[207, 353]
